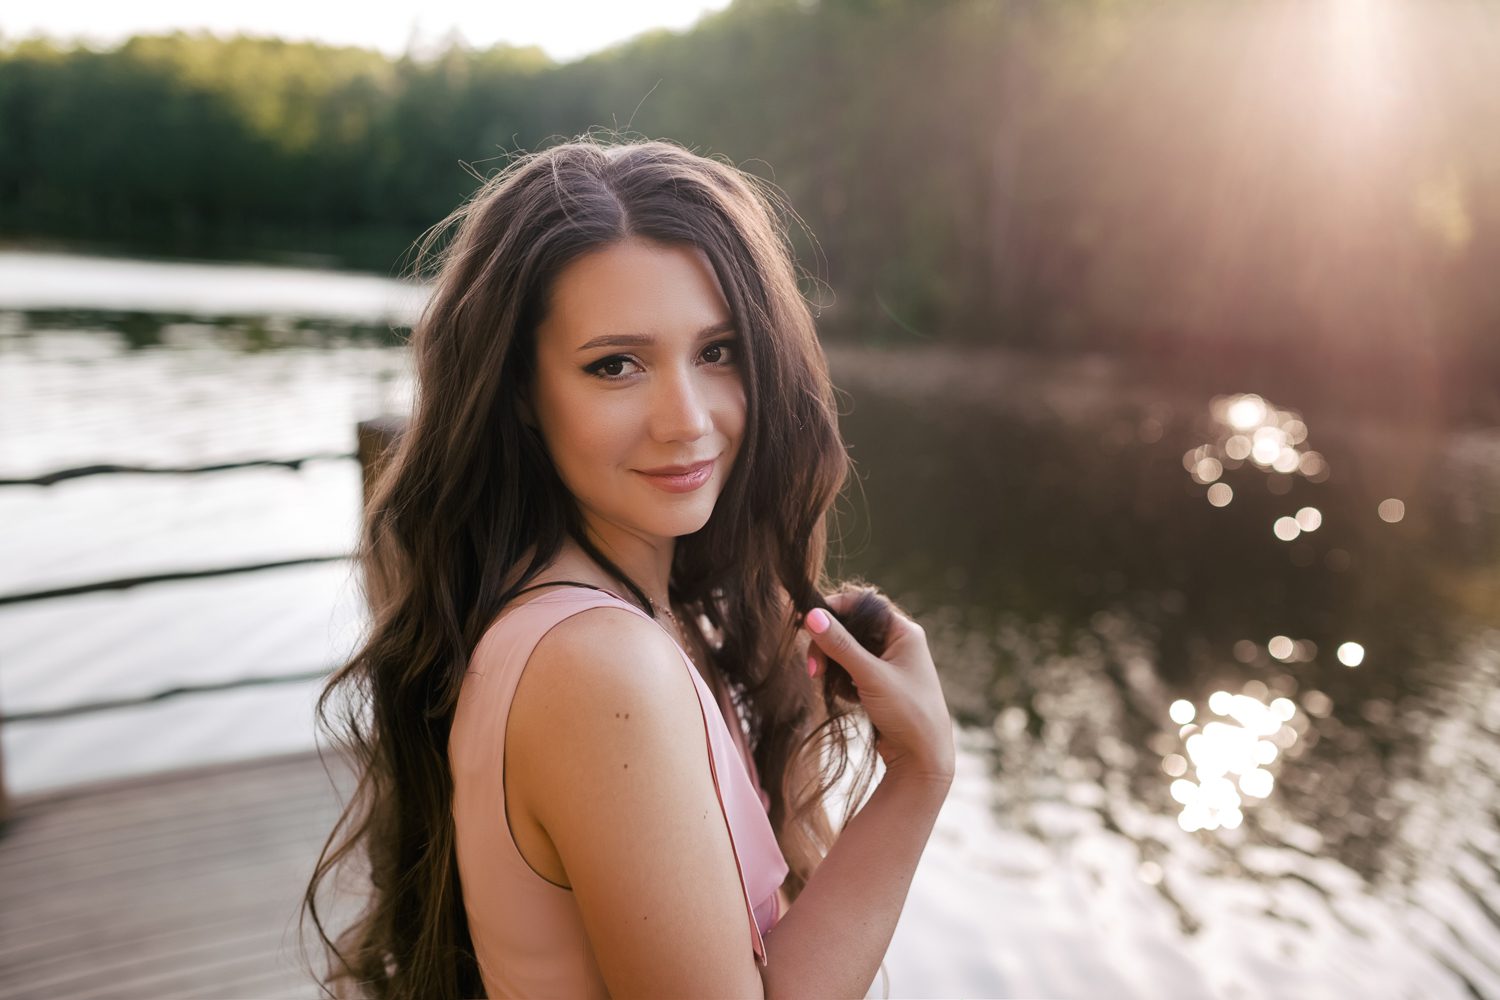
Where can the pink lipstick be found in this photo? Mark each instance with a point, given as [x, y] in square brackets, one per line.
[680, 478]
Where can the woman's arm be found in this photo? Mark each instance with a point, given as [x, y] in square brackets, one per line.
[831, 942]
[607, 742]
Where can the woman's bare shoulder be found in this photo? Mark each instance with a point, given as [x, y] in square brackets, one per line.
[598, 643]
[591, 665]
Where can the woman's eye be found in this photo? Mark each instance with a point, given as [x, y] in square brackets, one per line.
[608, 368]
[719, 349]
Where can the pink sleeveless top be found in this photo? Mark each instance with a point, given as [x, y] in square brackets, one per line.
[527, 931]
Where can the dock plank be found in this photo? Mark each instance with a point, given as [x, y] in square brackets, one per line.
[185, 883]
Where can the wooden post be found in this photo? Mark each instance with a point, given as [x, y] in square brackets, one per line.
[377, 441]
[376, 437]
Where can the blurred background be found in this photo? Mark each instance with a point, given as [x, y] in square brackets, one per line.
[1169, 341]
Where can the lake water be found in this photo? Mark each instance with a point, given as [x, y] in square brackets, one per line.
[1225, 671]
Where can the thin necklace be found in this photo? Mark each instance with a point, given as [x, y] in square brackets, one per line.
[677, 625]
[711, 676]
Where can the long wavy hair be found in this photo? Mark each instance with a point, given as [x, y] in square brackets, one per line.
[468, 491]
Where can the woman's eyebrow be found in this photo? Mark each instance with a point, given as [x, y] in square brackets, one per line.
[645, 340]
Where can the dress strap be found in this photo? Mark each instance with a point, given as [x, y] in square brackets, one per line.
[567, 583]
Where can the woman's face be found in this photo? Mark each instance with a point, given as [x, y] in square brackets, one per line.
[638, 371]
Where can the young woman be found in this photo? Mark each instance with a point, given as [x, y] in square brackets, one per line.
[604, 698]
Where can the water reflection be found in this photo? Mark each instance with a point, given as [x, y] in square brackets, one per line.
[1244, 748]
[242, 332]
[1270, 438]
[1140, 654]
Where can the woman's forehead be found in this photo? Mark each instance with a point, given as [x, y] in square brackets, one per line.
[633, 289]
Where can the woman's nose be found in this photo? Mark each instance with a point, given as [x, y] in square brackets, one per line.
[681, 408]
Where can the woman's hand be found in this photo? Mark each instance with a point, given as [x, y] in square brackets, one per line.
[899, 690]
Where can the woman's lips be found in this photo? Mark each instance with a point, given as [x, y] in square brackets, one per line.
[684, 482]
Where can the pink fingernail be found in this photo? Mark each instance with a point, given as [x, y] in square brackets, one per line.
[812, 665]
[817, 620]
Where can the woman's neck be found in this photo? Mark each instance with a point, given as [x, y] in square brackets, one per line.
[572, 563]
[648, 565]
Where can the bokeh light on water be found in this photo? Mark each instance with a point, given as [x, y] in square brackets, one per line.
[1254, 430]
[1230, 760]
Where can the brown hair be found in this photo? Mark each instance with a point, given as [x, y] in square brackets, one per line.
[469, 490]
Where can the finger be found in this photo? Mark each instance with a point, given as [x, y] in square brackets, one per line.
[815, 663]
[901, 625]
[836, 643]
[902, 632]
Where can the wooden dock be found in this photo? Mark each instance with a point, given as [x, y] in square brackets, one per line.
[179, 884]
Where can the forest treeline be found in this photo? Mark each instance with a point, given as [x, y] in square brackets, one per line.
[1244, 184]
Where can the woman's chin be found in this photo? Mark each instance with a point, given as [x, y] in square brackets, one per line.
[682, 527]
[684, 522]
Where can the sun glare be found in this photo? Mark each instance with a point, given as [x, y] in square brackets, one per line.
[1360, 56]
